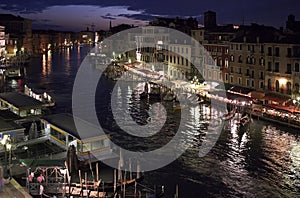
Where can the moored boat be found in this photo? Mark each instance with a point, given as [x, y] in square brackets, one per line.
[228, 115]
[40, 95]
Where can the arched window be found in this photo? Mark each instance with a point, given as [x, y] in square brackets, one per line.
[296, 67]
[296, 87]
[232, 58]
[262, 61]
[252, 60]
[277, 86]
[289, 88]
[248, 60]
[240, 59]
[226, 62]
[269, 84]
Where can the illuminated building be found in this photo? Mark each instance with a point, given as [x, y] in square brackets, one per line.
[20, 33]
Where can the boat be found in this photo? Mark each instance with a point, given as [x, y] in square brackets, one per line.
[12, 71]
[177, 106]
[169, 96]
[106, 186]
[143, 95]
[242, 126]
[244, 120]
[57, 181]
[229, 115]
[193, 100]
[39, 94]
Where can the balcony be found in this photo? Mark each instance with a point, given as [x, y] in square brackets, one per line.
[297, 74]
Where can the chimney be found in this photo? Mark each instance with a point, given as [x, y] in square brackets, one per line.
[245, 39]
[257, 39]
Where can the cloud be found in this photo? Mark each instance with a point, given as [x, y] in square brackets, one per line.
[109, 16]
[145, 17]
[47, 27]
[271, 12]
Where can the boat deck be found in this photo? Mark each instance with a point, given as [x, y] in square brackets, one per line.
[14, 189]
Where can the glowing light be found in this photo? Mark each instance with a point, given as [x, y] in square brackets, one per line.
[138, 56]
[282, 81]
[4, 139]
[8, 146]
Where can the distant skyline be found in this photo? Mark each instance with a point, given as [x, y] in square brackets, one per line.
[77, 15]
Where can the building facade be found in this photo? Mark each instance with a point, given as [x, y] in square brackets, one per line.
[2, 43]
[20, 33]
[179, 60]
[267, 60]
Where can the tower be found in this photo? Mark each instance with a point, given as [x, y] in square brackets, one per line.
[210, 20]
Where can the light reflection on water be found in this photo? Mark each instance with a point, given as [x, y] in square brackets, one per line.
[262, 161]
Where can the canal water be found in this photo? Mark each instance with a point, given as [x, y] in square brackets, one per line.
[263, 161]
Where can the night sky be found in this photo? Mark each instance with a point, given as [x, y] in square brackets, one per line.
[76, 15]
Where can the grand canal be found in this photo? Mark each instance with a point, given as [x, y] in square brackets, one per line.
[262, 162]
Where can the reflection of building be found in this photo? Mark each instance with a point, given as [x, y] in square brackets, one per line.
[63, 132]
[20, 33]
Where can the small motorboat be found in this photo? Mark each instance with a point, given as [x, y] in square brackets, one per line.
[228, 115]
[244, 120]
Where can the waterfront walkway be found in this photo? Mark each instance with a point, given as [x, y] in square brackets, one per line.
[14, 190]
[284, 115]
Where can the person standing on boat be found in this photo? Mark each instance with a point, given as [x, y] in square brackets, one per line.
[40, 178]
[31, 177]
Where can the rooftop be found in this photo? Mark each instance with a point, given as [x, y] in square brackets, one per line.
[255, 33]
[8, 125]
[8, 115]
[65, 121]
[20, 100]
[10, 17]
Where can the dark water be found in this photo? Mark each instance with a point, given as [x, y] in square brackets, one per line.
[264, 161]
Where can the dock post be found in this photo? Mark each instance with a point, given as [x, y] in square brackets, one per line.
[176, 193]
